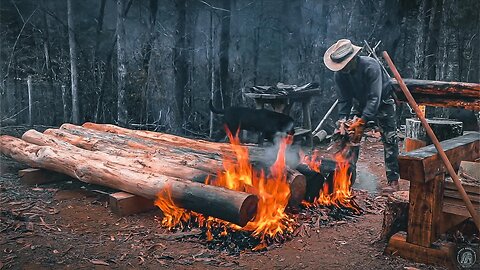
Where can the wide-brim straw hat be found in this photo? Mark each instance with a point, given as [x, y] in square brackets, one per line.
[339, 54]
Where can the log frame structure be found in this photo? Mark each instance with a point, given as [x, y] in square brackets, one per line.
[427, 214]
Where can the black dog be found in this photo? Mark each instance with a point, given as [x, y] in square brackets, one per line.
[268, 123]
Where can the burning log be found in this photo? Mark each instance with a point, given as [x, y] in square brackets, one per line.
[317, 175]
[90, 167]
[125, 145]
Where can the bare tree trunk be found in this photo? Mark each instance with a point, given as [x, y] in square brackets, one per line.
[98, 31]
[121, 65]
[180, 63]
[420, 41]
[49, 74]
[212, 71]
[64, 102]
[432, 41]
[73, 65]
[224, 54]
[30, 101]
[146, 61]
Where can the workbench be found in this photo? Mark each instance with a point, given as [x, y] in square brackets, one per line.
[283, 103]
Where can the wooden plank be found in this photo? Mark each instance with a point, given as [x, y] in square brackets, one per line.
[448, 193]
[469, 187]
[425, 211]
[125, 204]
[443, 255]
[424, 164]
[413, 144]
[34, 176]
[457, 207]
[471, 169]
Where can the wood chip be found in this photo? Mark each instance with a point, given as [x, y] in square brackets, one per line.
[99, 262]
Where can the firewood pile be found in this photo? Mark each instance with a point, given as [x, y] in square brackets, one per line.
[189, 179]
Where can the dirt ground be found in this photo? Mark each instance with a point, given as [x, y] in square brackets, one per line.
[68, 225]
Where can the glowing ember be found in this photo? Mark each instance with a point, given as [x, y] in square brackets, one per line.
[272, 190]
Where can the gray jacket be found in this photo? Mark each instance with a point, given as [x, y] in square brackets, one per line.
[367, 84]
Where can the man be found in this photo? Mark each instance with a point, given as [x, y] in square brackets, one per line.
[361, 81]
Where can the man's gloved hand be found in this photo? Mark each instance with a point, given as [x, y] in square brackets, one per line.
[357, 127]
[341, 127]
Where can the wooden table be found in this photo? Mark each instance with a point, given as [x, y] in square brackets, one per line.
[283, 103]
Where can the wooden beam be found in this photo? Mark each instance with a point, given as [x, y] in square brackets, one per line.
[424, 164]
[125, 204]
[443, 255]
[411, 144]
[442, 94]
[34, 176]
[425, 211]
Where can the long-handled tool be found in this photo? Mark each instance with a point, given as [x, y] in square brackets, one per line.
[317, 129]
[448, 165]
[374, 54]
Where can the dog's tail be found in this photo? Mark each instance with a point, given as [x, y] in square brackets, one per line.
[213, 109]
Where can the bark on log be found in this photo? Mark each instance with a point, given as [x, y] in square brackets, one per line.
[123, 145]
[442, 94]
[233, 206]
[395, 216]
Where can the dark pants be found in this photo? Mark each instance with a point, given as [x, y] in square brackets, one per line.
[387, 121]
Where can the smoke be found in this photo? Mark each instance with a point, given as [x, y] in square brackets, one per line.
[292, 153]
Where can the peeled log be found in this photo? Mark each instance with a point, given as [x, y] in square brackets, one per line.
[442, 94]
[124, 145]
[169, 139]
[138, 162]
[233, 206]
[125, 148]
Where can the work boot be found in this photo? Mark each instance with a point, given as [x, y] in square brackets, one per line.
[391, 187]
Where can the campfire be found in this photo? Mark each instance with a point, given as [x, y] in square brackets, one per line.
[272, 222]
[238, 199]
[239, 174]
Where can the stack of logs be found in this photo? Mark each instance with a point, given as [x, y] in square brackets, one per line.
[143, 163]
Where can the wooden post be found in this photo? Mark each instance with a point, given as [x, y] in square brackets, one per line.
[30, 101]
[425, 211]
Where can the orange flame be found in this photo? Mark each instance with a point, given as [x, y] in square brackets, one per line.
[341, 195]
[172, 214]
[272, 190]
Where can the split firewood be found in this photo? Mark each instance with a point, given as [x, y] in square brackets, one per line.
[233, 206]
